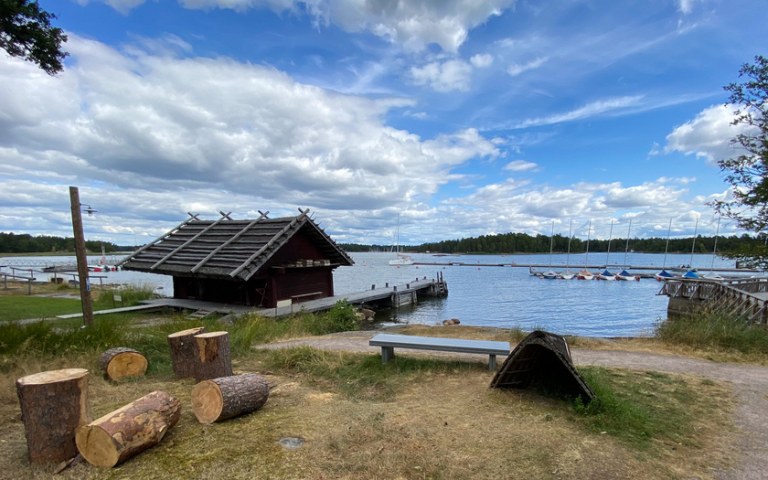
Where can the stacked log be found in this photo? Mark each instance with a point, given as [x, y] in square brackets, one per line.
[227, 397]
[121, 362]
[184, 351]
[213, 358]
[128, 431]
[53, 405]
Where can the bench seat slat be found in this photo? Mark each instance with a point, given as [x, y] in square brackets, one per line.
[487, 347]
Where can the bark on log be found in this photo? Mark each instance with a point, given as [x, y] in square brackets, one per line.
[184, 351]
[128, 431]
[227, 397]
[53, 404]
[213, 356]
[121, 362]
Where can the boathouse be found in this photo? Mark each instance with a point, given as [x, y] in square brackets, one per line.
[247, 262]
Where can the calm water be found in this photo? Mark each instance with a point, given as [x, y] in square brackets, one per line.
[486, 296]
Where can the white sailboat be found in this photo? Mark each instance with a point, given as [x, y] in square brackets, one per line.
[606, 274]
[624, 275]
[664, 274]
[567, 275]
[400, 258]
[585, 274]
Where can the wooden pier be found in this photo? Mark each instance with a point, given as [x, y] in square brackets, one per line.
[745, 298]
[387, 296]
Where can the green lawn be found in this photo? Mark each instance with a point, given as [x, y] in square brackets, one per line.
[17, 307]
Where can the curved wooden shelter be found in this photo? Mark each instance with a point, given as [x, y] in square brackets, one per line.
[248, 262]
[542, 360]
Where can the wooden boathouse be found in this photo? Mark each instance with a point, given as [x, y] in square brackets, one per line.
[256, 263]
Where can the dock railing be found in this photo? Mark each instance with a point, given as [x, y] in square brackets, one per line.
[740, 298]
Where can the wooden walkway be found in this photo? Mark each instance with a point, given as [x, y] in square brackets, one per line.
[387, 296]
[741, 298]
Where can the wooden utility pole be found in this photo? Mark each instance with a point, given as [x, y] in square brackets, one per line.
[82, 261]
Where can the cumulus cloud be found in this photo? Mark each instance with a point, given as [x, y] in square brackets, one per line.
[443, 77]
[707, 136]
[216, 127]
[412, 25]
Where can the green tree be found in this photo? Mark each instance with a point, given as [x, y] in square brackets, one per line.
[26, 31]
[747, 173]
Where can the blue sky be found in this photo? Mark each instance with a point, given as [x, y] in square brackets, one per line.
[459, 117]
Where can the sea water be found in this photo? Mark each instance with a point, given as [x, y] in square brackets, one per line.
[495, 296]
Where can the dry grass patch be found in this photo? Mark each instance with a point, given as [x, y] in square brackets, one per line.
[440, 420]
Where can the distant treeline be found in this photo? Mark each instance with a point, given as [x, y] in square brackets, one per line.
[524, 243]
[25, 243]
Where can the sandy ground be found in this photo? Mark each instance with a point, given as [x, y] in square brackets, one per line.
[749, 382]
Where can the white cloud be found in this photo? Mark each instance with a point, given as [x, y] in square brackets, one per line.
[413, 25]
[593, 109]
[521, 166]
[517, 69]
[707, 136]
[481, 60]
[443, 77]
[198, 131]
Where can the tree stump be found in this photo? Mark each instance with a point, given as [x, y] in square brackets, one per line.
[122, 362]
[128, 431]
[213, 356]
[184, 351]
[53, 404]
[227, 397]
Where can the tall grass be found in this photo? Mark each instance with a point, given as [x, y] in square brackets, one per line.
[711, 331]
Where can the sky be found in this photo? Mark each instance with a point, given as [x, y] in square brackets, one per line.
[419, 120]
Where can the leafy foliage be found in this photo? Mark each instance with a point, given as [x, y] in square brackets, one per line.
[26, 31]
[747, 173]
[25, 243]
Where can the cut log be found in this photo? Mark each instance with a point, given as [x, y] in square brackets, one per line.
[122, 362]
[128, 431]
[184, 351]
[53, 404]
[227, 397]
[213, 356]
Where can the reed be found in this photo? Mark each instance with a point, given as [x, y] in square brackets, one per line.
[712, 331]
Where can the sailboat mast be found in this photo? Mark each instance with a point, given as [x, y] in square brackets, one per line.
[693, 245]
[586, 256]
[551, 243]
[626, 248]
[714, 250]
[666, 247]
[610, 236]
[568, 255]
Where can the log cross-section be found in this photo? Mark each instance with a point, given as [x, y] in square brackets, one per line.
[128, 431]
[53, 404]
[121, 362]
[213, 356]
[227, 397]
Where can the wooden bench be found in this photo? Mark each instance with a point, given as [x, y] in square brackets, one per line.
[388, 343]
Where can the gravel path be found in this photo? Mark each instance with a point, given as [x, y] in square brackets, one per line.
[750, 387]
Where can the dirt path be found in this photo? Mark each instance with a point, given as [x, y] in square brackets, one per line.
[750, 386]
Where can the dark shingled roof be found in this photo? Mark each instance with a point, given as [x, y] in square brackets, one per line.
[228, 249]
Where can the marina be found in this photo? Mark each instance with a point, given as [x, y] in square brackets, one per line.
[482, 293]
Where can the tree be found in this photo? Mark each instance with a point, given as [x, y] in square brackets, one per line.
[747, 173]
[26, 31]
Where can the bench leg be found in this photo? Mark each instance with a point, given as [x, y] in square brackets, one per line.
[387, 354]
[492, 362]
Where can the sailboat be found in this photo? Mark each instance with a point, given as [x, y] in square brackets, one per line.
[400, 258]
[585, 274]
[550, 274]
[567, 275]
[714, 276]
[664, 274]
[624, 275]
[606, 274]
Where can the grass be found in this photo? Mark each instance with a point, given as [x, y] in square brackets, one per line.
[411, 418]
[716, 334]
